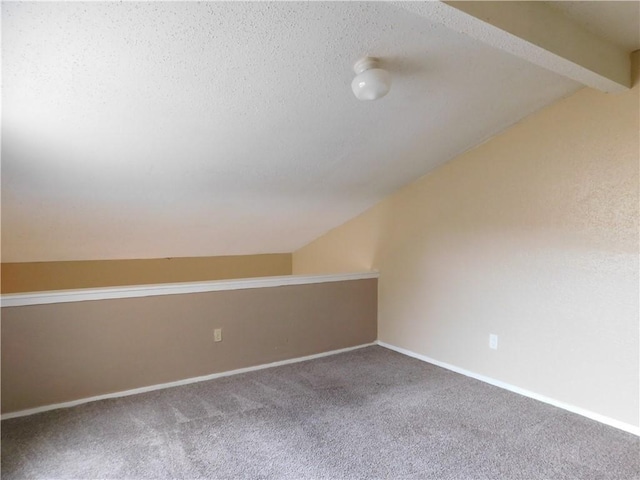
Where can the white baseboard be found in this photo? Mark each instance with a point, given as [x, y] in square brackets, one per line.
[177, 383]
[512, 388]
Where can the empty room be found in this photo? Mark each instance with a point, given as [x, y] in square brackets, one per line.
[320, 240]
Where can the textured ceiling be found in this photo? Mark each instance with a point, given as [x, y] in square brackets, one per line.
[135, 130]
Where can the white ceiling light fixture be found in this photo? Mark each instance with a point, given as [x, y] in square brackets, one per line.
[371, 82]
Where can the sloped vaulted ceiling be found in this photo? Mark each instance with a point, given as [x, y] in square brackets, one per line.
[140, 130]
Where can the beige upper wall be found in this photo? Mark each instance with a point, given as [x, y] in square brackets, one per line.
[40, 276]
[532, 236]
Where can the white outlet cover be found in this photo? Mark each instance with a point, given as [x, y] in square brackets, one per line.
[493, 341]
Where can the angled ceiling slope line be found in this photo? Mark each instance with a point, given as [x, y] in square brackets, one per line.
[539, 34]
[185, 129]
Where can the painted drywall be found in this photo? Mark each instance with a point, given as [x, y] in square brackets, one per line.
[41, 276]
[179, 129]
[68, 351]
[532, 236]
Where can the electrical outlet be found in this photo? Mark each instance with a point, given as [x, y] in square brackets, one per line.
[217, 335]
[493, 341]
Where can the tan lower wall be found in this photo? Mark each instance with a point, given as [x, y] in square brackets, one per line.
[532, 236]
[67, 351]
[41, 276]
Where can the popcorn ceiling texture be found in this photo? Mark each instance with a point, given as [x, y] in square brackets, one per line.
[532, 236]
[149, 130]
